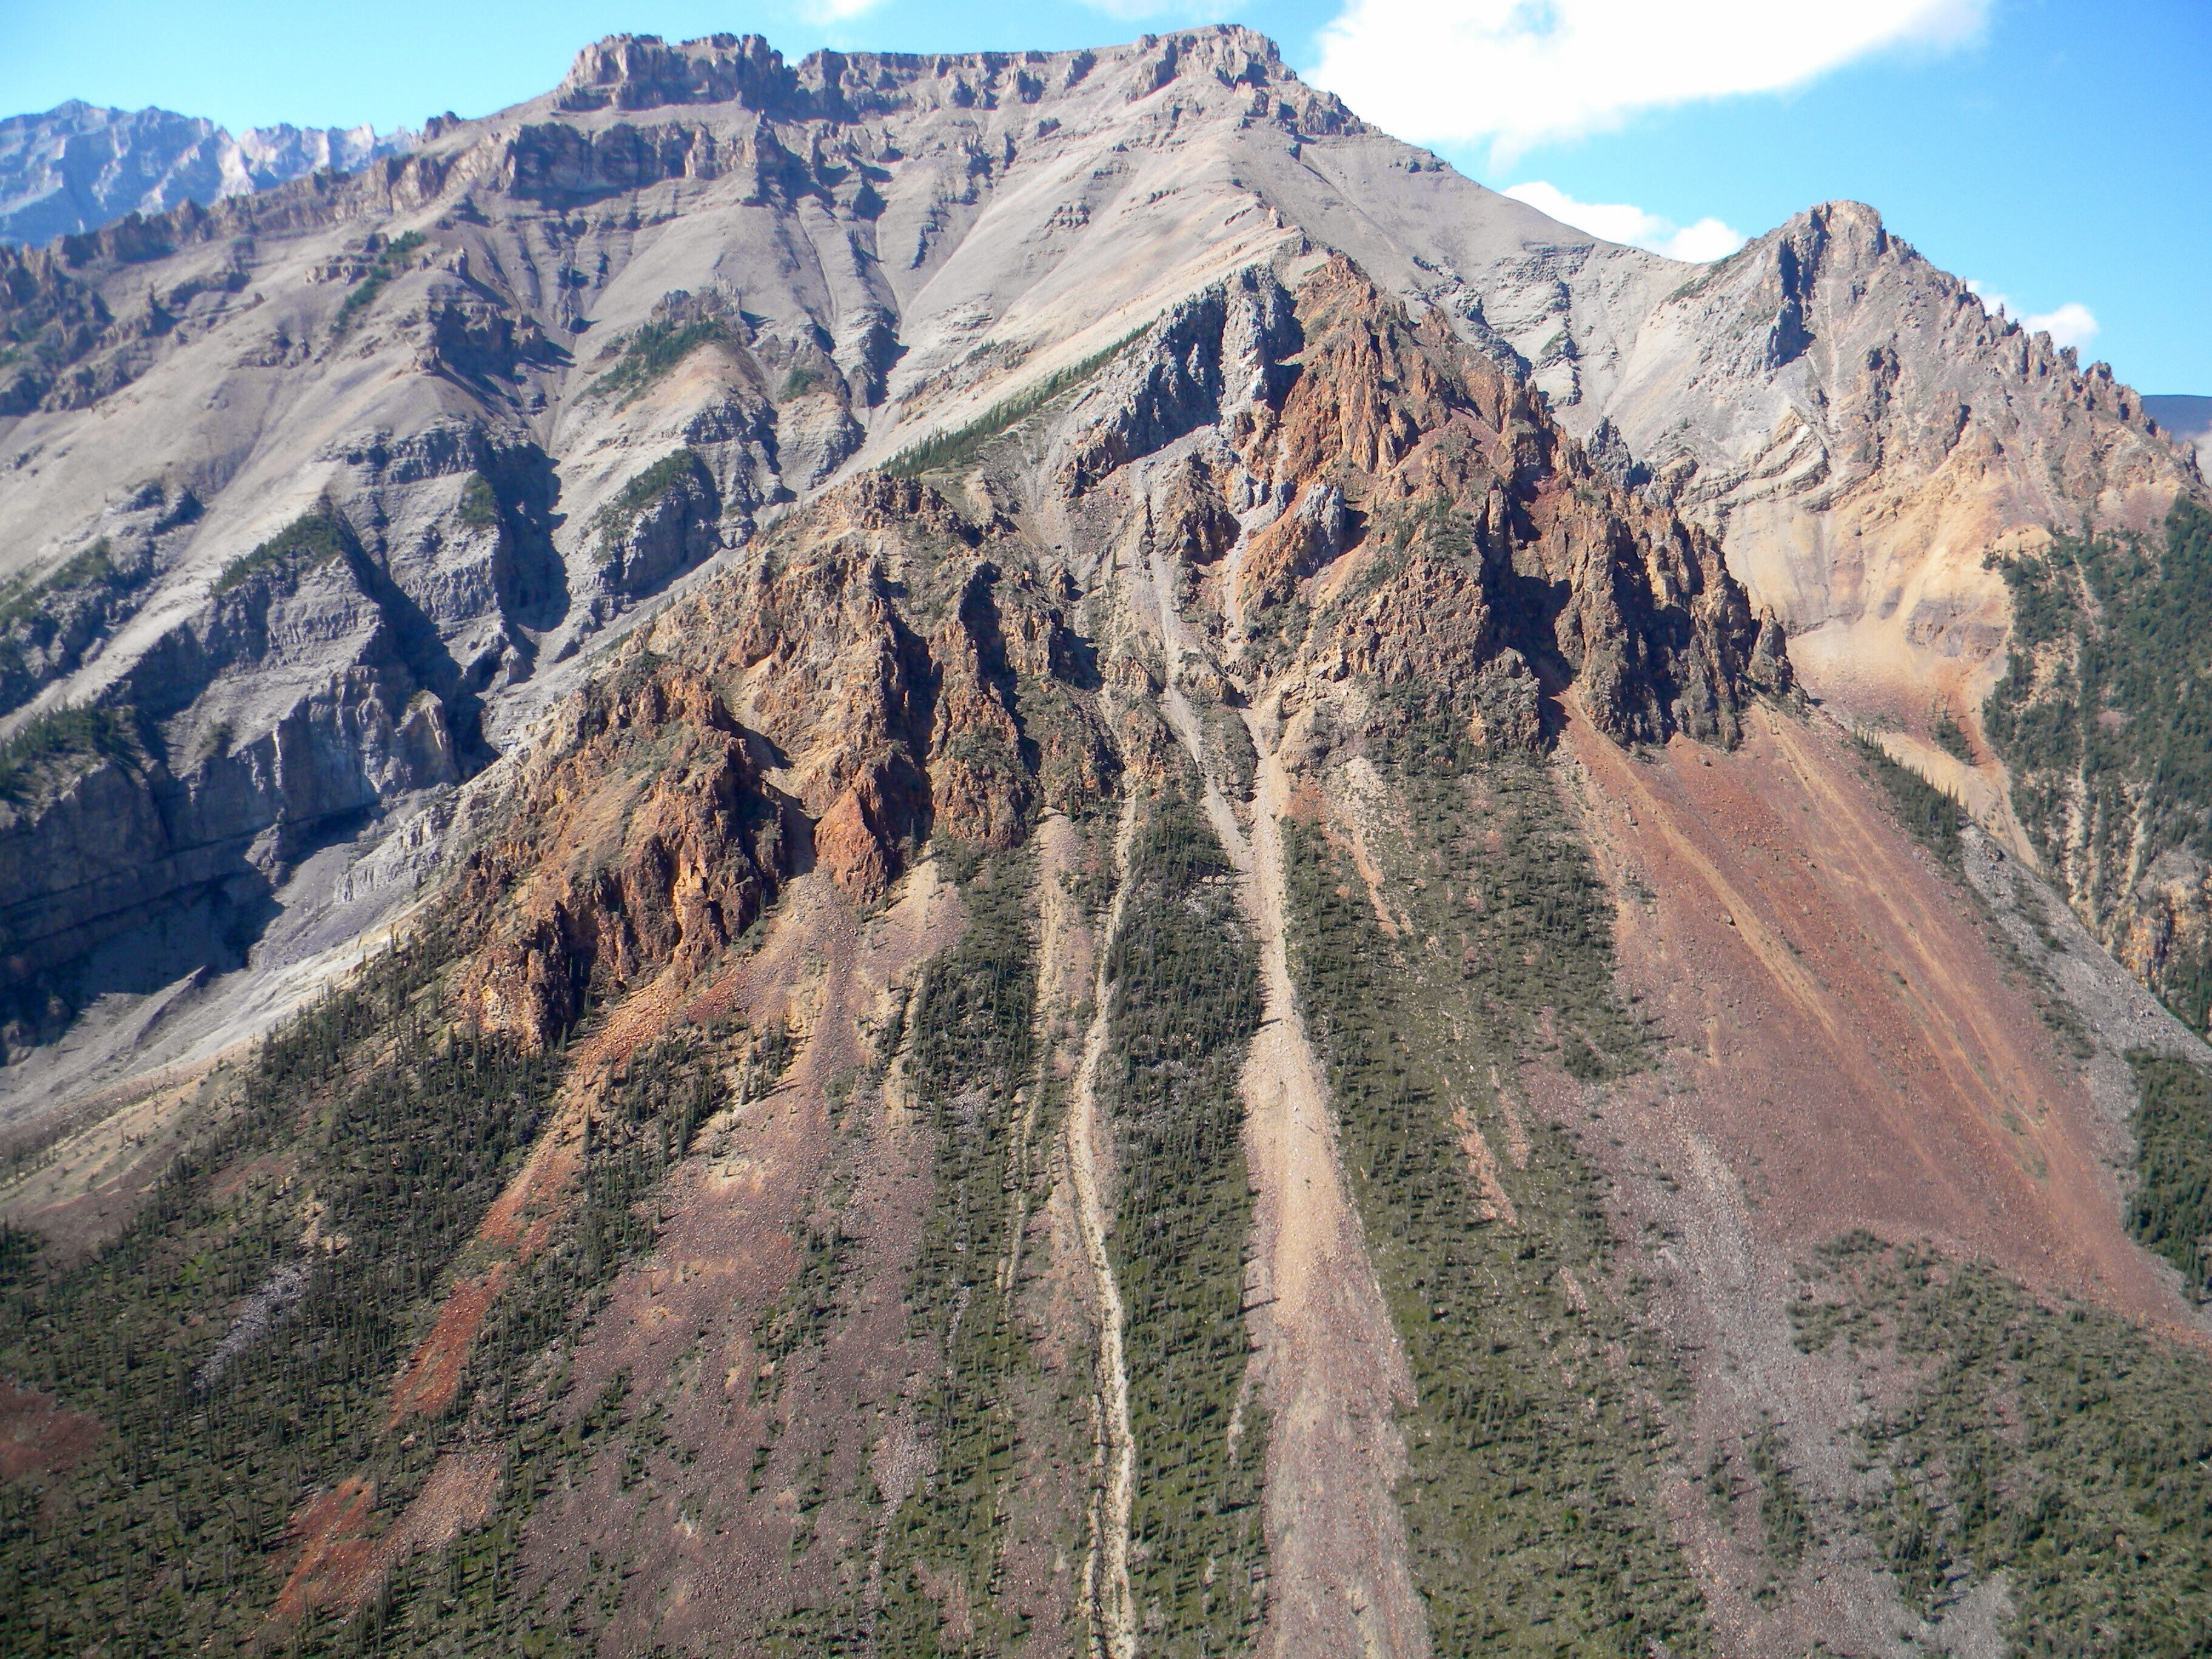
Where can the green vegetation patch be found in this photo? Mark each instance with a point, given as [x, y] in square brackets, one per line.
[811, 1306]
[1532, 1499]
[2127, 632]
[234, 1370]
[2065, 1448]
[238, 1343]
[47, 626]
[388, 263]
[2170, 1210]
[948, 452]
[1434, 524]
[307, 543]
[1782, 1514]
[473, 1598]
[1934, 818]
[1075, 766]
[1184, 982]
[92, 568]
[2105, 712]
[671, 473]
[974, 1060]
[1947, 735]
[53, 747]
[479, 509]
[656, 349]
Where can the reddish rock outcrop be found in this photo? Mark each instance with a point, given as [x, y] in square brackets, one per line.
[1441, 536]
[644, 837]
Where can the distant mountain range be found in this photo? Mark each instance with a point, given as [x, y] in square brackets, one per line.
[79, 167]
[2186, 417]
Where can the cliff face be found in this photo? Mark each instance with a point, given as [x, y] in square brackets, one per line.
[303, 694]
[600, 875]
[1451, 458]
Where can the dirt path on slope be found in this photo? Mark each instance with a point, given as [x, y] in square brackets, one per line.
[1340, 1580]
[1108, 1603]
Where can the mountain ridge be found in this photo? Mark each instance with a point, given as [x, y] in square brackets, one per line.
[959, 353]
[2189, 417]
[77, 168]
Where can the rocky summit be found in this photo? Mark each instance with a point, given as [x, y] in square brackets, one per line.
[1032, 854]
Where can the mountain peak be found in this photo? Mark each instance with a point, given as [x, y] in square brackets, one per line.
[645, 71]
[80, 167]
[640, 71]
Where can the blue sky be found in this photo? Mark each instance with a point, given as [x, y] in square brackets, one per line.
[2058, 152]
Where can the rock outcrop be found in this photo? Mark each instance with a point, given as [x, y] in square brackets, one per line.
[1497, 528]
[605, 869]
[1392, 507]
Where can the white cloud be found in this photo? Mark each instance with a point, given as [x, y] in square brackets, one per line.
[1514, 73]
[1622, 221]
[839, 11]
[2071, 324]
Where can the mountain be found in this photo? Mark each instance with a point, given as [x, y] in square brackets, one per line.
[2187, 418]
[77, 167]
[1032, 852]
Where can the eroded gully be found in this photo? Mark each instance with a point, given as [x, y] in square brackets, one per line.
[1112, 1616]
[1332, 1371]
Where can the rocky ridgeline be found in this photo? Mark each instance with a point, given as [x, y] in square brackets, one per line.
[918, 671]
[1861, 432]
[545, 365]
[1498, 552]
